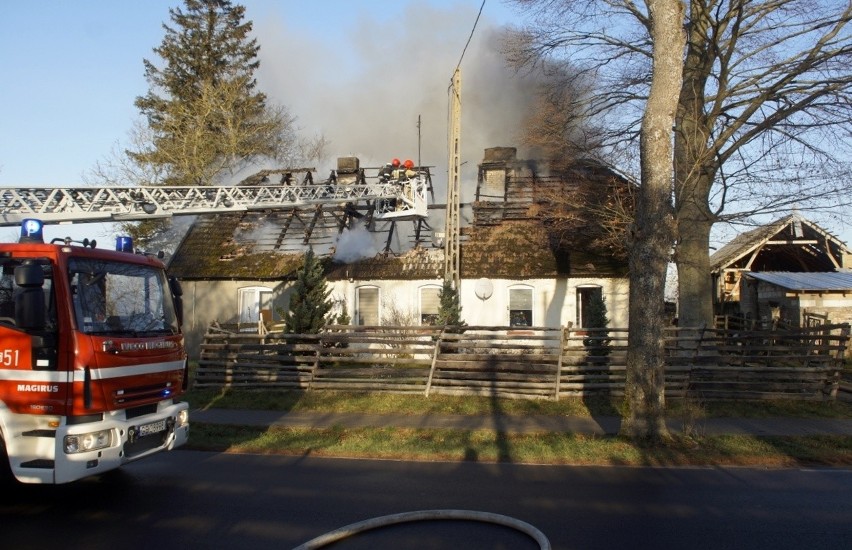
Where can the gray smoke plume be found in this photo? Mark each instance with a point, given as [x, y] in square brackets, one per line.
[366, 97]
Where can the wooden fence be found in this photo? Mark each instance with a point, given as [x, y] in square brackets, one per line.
[844, 389]
[538, 363]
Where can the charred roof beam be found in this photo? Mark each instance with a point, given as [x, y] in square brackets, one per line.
[310, 228]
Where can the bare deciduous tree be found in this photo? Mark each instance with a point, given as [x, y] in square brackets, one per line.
[209, 139]
[651, 233]
[118, 168]
[765, 108]
[314, 148]
[766, 87]
[555, 130]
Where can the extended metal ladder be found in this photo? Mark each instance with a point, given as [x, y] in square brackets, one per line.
[99, 204]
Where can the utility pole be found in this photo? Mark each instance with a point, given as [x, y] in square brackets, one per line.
[452, 229]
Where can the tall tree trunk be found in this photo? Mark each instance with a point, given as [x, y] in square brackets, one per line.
[652, 235]
[695, 286]
[695, 169]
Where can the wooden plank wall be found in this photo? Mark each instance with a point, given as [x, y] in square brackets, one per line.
[534, 363]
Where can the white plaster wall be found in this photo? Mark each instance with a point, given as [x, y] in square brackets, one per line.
[554, 301]
[208, 301]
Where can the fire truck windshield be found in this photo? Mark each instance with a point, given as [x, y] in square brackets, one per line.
[120, 298]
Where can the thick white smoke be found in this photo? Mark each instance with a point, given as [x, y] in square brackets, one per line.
[354, 244]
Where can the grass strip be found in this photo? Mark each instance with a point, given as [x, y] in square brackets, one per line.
[550, 448]
[379, 403]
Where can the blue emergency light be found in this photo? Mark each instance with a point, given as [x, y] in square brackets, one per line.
[124, 244]
[32, 231]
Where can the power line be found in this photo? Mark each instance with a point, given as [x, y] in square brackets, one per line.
[469, 38]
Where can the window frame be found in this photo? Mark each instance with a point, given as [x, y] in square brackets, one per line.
[259, 291]
[512, 313]
[420, 304]
[359, 317]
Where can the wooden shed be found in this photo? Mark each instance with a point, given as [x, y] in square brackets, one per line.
[798, 299]
[789, 245]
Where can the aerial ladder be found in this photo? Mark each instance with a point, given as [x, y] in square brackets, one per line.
[393, 200]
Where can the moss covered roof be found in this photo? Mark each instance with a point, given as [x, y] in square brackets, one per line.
[209, 251]
[511, 250]
[420, 263]
[524, 249]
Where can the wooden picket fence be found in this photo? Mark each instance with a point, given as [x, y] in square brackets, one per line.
[535, 363]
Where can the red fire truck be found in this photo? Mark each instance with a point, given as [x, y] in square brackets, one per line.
[91, 354]
[92, 359]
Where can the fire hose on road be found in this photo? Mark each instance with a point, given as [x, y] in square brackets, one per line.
[426, 515]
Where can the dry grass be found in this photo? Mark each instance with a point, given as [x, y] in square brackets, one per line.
[378, 403]
[552, 448]
[691, 448]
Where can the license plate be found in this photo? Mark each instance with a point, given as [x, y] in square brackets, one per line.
[152, 428]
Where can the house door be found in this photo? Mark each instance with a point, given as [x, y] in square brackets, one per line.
[585, 297]
[255, 302]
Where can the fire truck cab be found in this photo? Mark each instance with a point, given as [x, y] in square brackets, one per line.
[92, 358]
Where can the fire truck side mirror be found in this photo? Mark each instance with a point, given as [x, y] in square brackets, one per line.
[29, 298]
[177, 295]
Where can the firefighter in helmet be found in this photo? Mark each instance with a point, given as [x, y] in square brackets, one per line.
[408, 167]
[388, 171]
[408, 174]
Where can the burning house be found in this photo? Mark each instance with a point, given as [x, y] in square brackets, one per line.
[534, 252]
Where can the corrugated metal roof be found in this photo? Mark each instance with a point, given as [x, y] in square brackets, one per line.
[807, 282]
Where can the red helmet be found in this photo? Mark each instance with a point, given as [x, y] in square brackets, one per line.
[395, 162]
[408, 164]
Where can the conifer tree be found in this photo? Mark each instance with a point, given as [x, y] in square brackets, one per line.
[343, 318]
[310, 301]
[204, 113]
[598, 340]
[449, 308]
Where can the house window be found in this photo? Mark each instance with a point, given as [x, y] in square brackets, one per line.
[255, 303]
[586, 295]
[430, 303]
[367, 306]
[520, 307]
[493, 185]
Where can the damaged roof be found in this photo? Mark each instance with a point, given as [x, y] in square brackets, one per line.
[515, 242]
[512, 250]
[419, 263]
[526, 249]
[791, 243]
[210, 250]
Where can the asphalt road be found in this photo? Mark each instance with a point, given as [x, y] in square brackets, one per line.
[189, 499]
